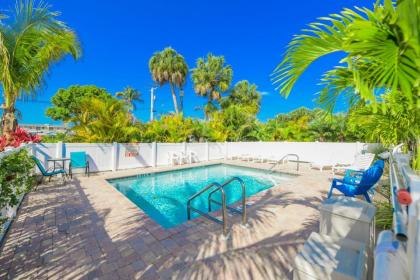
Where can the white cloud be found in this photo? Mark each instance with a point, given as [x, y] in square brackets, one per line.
[263, 93]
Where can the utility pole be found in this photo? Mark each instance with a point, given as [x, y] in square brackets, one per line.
[152, 103]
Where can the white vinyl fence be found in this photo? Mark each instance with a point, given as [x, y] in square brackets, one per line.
[115, 156]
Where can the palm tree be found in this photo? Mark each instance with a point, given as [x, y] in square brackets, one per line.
[243, 94]
[30, 42]
[382, 48]
[211, 78]
[168, 66]
[130, 95]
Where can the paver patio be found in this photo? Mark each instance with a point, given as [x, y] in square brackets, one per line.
[85, 229]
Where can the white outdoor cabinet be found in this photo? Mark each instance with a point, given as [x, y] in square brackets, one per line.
[350, 218]
[327, 258]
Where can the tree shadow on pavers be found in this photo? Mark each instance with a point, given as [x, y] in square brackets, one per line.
[268, 259]
[56, 226]
[265, 247]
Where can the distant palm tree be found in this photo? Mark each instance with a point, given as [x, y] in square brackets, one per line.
[211, 78]
[130, 96]
[168, 66]
[243, 94]
[30, 43]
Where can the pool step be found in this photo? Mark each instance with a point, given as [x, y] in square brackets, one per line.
[219, 188]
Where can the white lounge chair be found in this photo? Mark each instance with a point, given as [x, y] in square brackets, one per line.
[323, 163]
[174, 158]
[361, 163]
[192, 157]
[177, 158]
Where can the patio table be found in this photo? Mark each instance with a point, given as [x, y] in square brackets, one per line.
[57, 160]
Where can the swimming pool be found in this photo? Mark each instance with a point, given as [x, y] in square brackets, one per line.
[163, 195]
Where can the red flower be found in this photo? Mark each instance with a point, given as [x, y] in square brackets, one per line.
[19, 137]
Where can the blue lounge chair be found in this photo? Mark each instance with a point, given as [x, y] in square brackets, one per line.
[78, 160]
[46, 173]
[352, 186]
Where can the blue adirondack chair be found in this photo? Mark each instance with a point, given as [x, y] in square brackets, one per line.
[354, 176]
[78, 160]
[46, 173]
[352, 186]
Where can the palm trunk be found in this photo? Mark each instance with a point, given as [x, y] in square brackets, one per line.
[9, 123]
[181, 101]
[174, 98]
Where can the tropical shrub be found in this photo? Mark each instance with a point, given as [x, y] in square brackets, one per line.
[104, 121]
[15, 177]
[170, 128]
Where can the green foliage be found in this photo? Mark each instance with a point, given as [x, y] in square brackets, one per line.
[167, 66]
[32, 39]
[393, 123]
[104, 121]
[67, 103]
[15, 177]
[234, 123]
[382, 52]
[243, 94]
[211, 78]
[171, 129]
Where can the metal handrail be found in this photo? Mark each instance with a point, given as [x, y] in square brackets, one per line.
[224, 211]
[284, 158]
[399, 212]
[243, 212]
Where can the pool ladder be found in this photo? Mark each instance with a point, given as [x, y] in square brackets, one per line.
[219, 187]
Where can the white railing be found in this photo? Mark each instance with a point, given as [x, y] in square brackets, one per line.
[398, 251]
[112, 157]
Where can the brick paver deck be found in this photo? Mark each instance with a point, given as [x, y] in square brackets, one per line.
[85, 229]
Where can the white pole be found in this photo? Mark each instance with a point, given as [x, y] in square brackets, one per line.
[152, 103]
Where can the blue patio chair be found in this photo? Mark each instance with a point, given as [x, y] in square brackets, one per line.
[352, 187]
[78, 160]
[354, 176]
[46, 173]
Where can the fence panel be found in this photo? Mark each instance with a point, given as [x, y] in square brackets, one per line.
[199, 149]
[99, 155]
[216, 151]
[134, 155]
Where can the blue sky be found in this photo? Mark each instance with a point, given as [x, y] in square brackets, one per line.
[118, 38]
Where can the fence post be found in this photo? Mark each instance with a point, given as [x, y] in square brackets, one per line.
[226, 150]
[154, 154]
[207, 151]
[184, 147]
[59, 149]
[114, 156]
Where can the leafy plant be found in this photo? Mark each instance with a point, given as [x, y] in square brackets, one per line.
[15, 177]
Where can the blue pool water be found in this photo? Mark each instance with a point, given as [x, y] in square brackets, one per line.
[163, 195]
